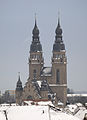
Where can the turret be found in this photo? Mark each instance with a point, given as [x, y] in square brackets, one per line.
[19, 91]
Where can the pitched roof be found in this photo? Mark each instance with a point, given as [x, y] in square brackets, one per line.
[46, 71]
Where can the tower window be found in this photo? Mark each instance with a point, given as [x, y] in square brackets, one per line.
[57, 76]
[57, 56]
[34, 74]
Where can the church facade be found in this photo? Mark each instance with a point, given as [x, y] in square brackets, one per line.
[45, 83]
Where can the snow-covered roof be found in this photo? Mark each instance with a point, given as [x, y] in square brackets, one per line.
[79, 104]
[34, 113]
[2, 117]
[73, 95]
[72, 107]
[39, 83]
[46, 71]
[41, 103]
[62, 116]
[60, 103]
[85, 104]
[57, 85]
[81, 113]
[77, 110]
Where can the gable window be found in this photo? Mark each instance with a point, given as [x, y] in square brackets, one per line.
[57, 76]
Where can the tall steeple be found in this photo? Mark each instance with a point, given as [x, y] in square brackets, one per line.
[36, 60]
[59, 65]
[58, 45]
[35, 46]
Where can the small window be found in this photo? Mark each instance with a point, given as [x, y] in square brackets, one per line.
[57, 76]
[34, 74]
[30, 97]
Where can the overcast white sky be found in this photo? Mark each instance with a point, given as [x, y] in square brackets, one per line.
[16, 24]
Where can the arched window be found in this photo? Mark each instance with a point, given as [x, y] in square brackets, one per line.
[30, 97]
[57, 76]
[34, 74]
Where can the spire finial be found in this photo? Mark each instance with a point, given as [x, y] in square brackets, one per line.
[35, 20]
[59, 18]
[18, 75]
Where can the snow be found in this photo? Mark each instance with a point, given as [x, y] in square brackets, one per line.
[41, 103]
[2, 117]
[81, 113]
[34, 112]
[85, 104]
[72, 107]
[57, 85]
[72, 95]
[60, 103]
[28, 112]
[62, 116]
[79, 104]
[39, 83]
[77, 109]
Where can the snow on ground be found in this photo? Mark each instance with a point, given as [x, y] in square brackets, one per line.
[34, 113]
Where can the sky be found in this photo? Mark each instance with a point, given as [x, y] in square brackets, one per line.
[16, 23]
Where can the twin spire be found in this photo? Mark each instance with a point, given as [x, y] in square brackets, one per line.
[36, 46]
[36, 30]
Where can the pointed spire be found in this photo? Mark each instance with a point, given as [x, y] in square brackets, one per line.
[58, 45]
[35, 46]
[19, 83]
[35, 31]
[58, 19]
[35, 21]
[19, 76]
[58, 30]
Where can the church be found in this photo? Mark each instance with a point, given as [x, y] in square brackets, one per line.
[45, 83]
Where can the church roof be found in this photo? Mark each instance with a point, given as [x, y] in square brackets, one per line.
[46, 71]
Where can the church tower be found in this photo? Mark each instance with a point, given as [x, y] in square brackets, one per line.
[48, 83]
[36, 59]
[59, 62]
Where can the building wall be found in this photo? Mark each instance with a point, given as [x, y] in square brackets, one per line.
[35, 63]
[29, 90]
[60, 92]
